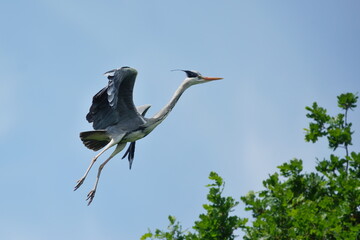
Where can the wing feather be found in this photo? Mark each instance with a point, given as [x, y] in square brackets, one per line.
[113, 105]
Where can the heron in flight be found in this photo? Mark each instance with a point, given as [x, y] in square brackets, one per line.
[116, 120]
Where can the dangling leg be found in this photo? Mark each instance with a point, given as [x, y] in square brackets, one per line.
[81, 180]
[130, 152]
[118, 149]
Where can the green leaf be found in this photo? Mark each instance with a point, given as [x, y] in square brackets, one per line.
[146, 236]
[347, 101]
[172, 219]
[214, 176]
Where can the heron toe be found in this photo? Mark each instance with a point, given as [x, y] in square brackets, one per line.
[79, 183]
[90, 196]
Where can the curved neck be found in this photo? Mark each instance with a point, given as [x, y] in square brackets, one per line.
[164, 112]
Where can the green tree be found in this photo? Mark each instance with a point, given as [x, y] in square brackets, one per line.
[320, 205]
[324, 204]
[215, 224]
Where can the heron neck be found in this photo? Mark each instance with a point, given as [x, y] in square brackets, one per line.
[164, 112]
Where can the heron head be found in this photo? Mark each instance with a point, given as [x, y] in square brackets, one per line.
[194, 77]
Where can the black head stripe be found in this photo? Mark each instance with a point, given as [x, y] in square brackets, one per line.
[191, 74]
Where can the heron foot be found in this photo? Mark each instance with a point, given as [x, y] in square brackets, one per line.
[90, 196]
[79, 183]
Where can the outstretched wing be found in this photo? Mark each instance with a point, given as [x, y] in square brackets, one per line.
[113, 105]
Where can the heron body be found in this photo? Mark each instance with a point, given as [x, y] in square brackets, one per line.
[116, 120]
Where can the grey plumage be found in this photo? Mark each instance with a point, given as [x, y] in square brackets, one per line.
[116, 121]
[130, 152]
[95, 140]
[114, 103]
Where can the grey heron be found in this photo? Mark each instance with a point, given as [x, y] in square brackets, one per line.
[116, 120]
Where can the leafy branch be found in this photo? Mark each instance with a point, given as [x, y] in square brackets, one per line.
[324, 204]
[336, 128]
[215, 224]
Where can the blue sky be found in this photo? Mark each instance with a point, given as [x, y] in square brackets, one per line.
[276, 58]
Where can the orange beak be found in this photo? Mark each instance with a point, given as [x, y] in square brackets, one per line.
[211, 78]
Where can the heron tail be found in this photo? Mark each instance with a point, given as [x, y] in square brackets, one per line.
[95, 140]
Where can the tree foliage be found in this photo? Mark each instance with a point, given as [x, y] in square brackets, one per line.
[319, 205]
[324, 204]
[215, 224]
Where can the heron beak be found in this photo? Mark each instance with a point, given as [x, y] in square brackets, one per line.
[211, 78]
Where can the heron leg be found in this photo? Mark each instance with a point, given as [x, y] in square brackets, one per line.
[130, 153]
[81, 180]
[91, 194]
